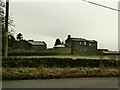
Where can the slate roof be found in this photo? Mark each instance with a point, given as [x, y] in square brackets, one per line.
[37, 43]
[60, 46]
[78, 39]
[91, 40]
[81, 39]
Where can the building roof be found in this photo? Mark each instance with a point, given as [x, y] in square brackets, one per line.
[82, 39]
[78, 39]
[91, 40]
[60, 46]
[37, 43]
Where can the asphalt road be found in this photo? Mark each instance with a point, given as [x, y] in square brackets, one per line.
[111, 82]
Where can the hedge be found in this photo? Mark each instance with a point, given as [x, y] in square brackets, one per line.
[57, 62]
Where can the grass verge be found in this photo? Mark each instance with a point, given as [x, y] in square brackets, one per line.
[57, 73]
[99, 57]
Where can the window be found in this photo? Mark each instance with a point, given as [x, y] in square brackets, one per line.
[80, 43]
[84, 43]
[90, 44]
[9, 37]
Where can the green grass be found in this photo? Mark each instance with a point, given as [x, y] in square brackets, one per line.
[98, 57]
[115, 57]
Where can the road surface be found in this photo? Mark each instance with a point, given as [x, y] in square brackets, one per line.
[111, 82]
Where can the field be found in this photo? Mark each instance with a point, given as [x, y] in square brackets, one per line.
[112, 57]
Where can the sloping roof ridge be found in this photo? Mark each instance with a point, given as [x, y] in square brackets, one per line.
[83, 39]
[37, 42]
[92, 40]
[78, 38]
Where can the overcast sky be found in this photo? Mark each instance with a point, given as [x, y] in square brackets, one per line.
[48, 20]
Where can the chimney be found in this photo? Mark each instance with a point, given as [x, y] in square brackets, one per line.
[69, 36]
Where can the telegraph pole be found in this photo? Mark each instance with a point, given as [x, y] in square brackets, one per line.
[6, 30]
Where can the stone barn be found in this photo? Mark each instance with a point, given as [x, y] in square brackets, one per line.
[38, 45]
[30, 45]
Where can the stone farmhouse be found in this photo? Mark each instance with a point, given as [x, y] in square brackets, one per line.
[81, 46]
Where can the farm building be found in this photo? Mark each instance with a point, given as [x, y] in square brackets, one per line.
[38, 45]
[30, 45]
[81, 45]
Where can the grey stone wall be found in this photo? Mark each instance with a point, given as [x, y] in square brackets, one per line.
[62, 50]
[84, 47]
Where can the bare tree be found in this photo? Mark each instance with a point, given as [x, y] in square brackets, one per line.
[7, 24]
[6, 30]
